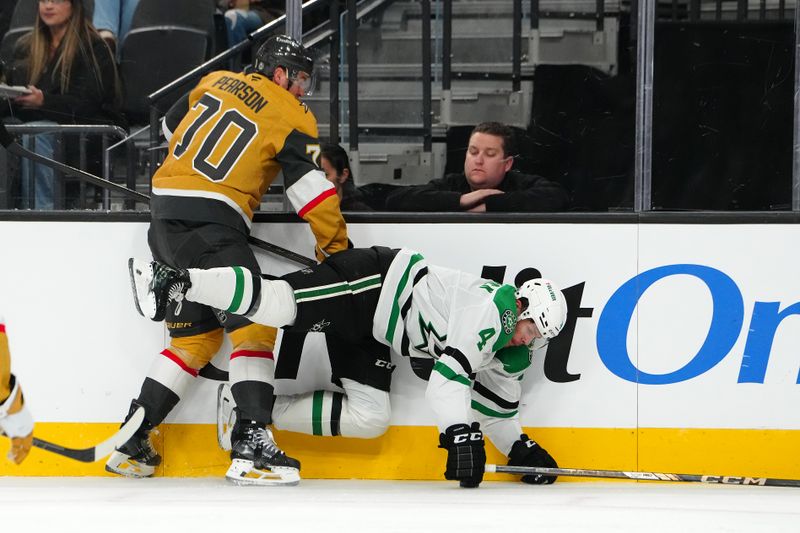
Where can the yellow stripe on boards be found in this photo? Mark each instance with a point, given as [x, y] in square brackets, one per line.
[190, 450]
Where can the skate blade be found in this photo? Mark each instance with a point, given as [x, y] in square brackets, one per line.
[242, 472]
[121, 464]
[143, 298]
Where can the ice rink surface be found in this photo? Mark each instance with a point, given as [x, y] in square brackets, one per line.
[209, 505]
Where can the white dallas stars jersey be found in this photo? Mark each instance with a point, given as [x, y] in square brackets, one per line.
[463, 322]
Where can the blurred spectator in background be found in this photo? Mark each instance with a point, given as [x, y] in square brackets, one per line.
[336, 166]
[112, 18]
[487, 184]
[243, 17]
[72, 79]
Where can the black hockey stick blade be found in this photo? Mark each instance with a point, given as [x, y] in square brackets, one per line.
[645, 476]
[97, 452]
[282, 252]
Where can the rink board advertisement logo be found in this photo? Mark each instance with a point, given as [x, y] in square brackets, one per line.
[727, 321]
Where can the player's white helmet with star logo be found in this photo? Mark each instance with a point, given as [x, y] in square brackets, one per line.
[547, 306]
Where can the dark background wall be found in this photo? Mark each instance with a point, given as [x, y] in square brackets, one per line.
[723, 116]
[722, 121]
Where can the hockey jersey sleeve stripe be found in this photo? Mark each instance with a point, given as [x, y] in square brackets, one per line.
[309, 191]
[407, 306]
[13, 390]
[337, 289]
[491, 396]
[491, 412]
[460, 358]
[315, 202]
[450, 374]
[401, 286]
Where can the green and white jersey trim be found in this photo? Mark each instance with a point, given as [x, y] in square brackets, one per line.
[242, 293]
[398, 285]
[338, 289]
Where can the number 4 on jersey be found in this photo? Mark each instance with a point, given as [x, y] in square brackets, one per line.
[485, 335]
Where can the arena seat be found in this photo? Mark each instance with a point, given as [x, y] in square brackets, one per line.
[166, 40]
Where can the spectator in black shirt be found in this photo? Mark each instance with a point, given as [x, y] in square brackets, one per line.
[487, 184]
[335, 163]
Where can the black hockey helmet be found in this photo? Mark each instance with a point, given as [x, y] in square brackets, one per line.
[283, 51]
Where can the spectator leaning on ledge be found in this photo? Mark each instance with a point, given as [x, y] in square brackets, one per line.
[487, 184]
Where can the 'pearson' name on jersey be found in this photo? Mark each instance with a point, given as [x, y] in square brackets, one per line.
[243, 91]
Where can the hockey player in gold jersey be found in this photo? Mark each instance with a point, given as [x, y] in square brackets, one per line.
[16, 422]
[232, 136]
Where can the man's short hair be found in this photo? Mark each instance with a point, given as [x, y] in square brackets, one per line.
[498, 130]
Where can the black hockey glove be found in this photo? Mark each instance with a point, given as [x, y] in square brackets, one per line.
[466, 456]
[526, 452]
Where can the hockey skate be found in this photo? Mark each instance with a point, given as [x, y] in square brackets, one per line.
[155, 285]
[136, 458]
[257, 460]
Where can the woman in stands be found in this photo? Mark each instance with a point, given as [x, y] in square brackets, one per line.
[336, 166]
[72, 79]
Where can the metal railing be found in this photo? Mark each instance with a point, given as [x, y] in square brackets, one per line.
[83, 132]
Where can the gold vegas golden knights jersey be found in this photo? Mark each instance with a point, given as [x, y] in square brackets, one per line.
[240, 131]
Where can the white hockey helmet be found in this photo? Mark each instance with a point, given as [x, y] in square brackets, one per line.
[547, 306]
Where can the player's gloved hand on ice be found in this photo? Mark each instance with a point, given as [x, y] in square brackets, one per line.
[466, 455]
[16, 423]
[526, 452]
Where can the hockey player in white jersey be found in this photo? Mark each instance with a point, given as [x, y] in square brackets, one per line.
[478, 332]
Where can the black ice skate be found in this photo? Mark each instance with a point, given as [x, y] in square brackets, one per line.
[257, 460]
[155, 285]
[136, 458]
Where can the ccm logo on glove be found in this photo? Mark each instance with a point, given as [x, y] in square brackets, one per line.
[466, 456]
[461, 439]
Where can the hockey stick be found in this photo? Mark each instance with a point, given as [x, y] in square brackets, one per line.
[97, 452]
[8, 142]
[645, 476]
[279, 251]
